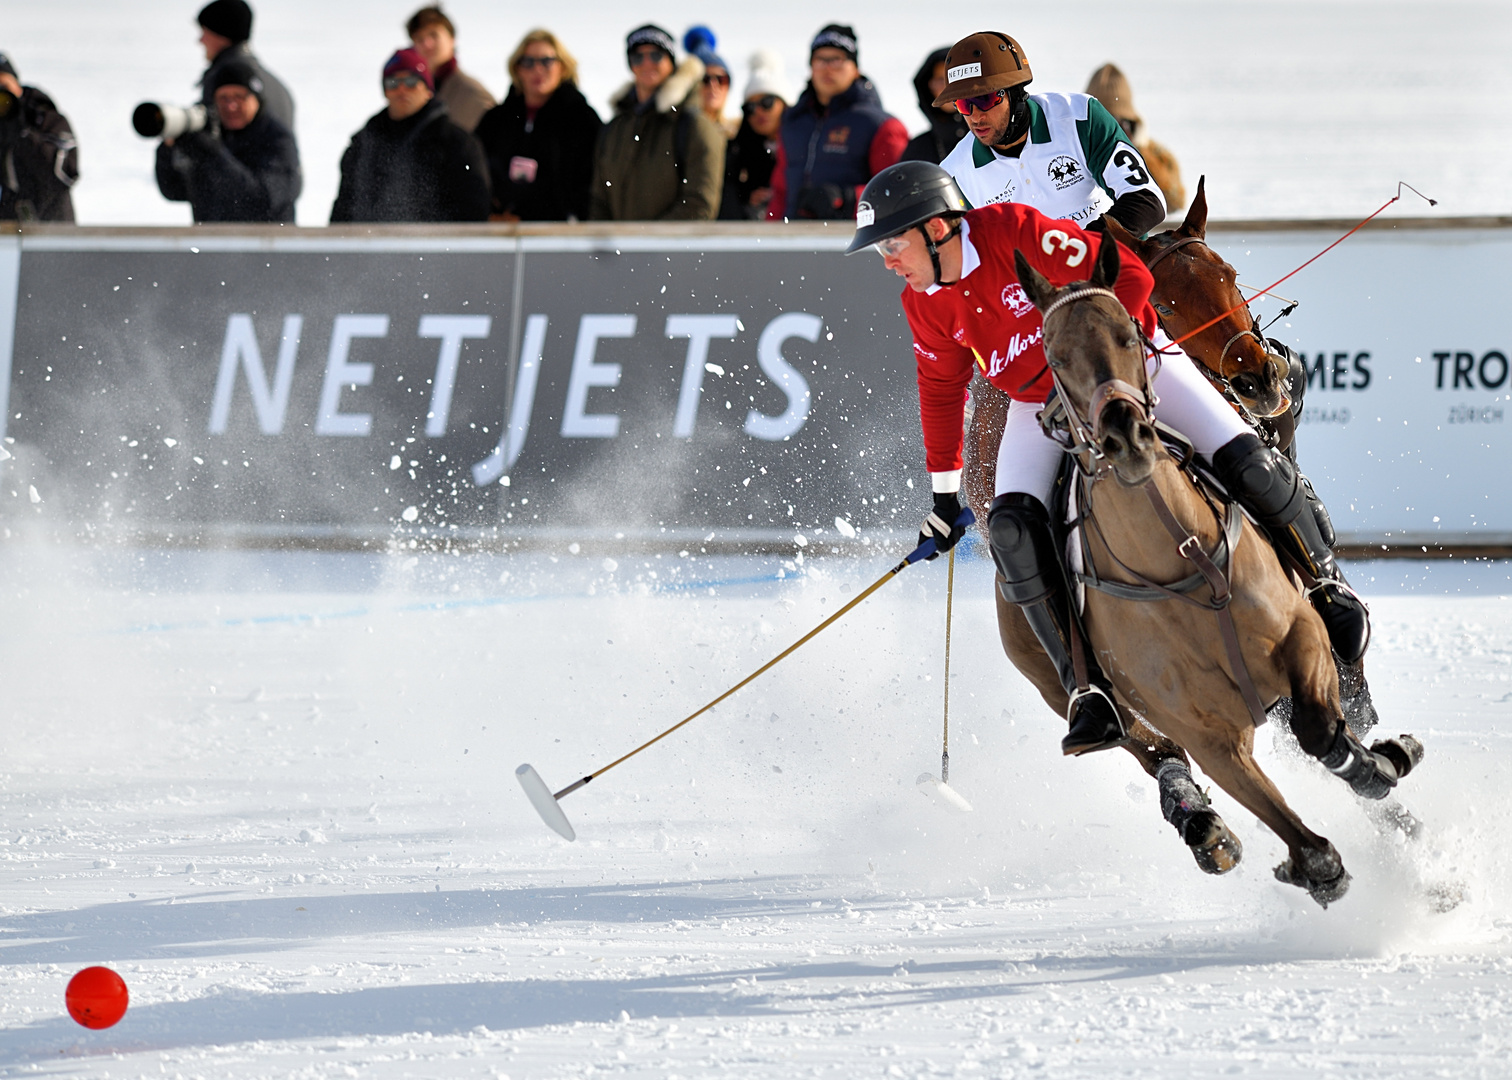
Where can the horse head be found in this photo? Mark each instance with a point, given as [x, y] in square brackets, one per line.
[1192, 285]
[1098, 363]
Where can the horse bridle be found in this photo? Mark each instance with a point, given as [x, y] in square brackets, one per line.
[1218, 378]
[1087, 433]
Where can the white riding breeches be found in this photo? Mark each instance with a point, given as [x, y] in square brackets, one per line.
[1028, 459]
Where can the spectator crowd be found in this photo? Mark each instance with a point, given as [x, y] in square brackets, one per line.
[443, 150]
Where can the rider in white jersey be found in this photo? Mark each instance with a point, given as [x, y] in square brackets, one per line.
[1063, 154]
[1066, 156]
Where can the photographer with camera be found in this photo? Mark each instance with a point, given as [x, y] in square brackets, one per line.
[39, 159]
[242, 165]
[226, 34]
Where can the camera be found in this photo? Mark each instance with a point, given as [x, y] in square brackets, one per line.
[154, 121]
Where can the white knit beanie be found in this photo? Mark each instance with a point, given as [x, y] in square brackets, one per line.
[767, 77]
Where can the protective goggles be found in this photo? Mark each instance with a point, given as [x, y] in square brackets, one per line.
[981, 103]
[892, 247]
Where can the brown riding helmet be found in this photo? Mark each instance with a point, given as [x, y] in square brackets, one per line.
[984, 62]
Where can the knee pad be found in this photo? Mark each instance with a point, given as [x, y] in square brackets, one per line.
[1263, 481]
[1023, 547]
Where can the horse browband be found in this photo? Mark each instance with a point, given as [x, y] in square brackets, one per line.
[1079, 294]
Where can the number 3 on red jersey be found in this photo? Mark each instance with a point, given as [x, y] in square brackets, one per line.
[1056, 240]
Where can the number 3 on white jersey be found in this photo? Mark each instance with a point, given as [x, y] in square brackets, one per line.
[1055, 239]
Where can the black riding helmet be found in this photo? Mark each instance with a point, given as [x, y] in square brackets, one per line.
[905, 196]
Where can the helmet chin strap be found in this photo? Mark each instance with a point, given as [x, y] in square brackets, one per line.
[934, 248]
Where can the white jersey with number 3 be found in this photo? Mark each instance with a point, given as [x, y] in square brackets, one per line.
[1076, 162]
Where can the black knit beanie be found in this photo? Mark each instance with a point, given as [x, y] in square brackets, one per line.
[231, 19]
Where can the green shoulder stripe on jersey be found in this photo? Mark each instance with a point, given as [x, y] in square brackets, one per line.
[1100, 135]
[1039, 127]
[980, 155]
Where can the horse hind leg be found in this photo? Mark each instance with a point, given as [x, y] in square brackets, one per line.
[1318, 721]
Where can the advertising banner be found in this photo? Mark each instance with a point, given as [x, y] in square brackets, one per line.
[663, 385]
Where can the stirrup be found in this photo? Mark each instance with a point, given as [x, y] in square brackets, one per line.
[1085, 742]
[1349, 606]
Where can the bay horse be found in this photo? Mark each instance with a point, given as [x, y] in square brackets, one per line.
[1148, 523]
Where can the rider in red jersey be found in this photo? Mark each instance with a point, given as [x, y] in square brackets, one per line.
[968, 311]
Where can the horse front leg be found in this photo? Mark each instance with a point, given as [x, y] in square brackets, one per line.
[1215, 848]
[1318, 721]
[1226, 753]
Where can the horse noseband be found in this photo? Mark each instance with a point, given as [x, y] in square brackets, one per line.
[1113, 390]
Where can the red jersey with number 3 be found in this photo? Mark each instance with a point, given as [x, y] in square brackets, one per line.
[985, 322]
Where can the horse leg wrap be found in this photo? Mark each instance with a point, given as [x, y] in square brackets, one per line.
[1183, 804]
[1269, 486]
[1371, 775]
[1321, 873]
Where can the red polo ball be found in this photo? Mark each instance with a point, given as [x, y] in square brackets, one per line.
[96, 997]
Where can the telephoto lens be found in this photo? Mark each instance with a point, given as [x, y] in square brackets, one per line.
[7, 103]
[155, 121]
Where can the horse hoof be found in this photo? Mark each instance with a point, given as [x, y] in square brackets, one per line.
[1322, 875]
[1404, 752]
[1390, 814]
[1216, 849]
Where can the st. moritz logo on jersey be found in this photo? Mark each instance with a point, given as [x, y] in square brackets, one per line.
[924, 353]
[1064, 172]
[1015, 297]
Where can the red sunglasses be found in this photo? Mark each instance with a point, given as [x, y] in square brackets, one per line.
[982, 102]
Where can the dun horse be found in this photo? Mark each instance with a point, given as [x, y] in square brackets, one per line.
[1148, 526]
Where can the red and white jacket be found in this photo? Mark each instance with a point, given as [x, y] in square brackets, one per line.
[986, 322]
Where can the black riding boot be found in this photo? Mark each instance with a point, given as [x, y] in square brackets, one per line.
[1268, 486]
[1023, 546]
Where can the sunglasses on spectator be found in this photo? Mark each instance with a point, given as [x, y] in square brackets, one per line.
[529, 63]
[982, 102]
[649, 55]
[407, 80]
[828, 61]
[765, 101]
[713, 79]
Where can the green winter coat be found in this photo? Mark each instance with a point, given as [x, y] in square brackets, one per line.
[635, 172]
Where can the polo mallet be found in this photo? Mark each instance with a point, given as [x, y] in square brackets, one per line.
[927, 782]
[547, 803]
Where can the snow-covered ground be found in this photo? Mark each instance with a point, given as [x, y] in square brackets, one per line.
[1293, 108]
[275, 793]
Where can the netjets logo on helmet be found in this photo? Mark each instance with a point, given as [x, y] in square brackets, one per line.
[865, 215]
[965, 71]
[1064, 172]
[1015, 298]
